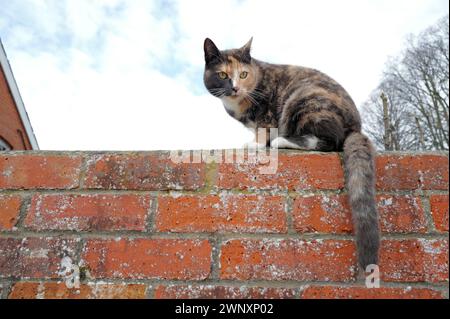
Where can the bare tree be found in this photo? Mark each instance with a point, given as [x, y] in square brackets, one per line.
[401, 135]
[416, 89]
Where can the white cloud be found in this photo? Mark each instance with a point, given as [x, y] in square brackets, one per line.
[108, 109]
[91, 72]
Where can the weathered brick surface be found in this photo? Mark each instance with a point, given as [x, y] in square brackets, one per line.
[226, 212]
[415, 260]
[295, 172]
[401, 214]
[332, 214]
[148, 258]
[101, 212]
[322, 214]
[142, 172]
[329, 292]
[222, 292]
[53, 290]
[288, 259]
[396, 172]
[34, 257]
[39, 172]
[9, 211]
[439, 211]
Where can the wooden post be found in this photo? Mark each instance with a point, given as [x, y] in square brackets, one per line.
[387, 126]
[421, 138]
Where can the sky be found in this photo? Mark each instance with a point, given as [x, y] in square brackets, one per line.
[128, 75]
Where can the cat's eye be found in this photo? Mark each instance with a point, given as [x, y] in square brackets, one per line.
[222, 75]
[243, 75]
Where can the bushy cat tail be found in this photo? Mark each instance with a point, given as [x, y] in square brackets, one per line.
[360, 182]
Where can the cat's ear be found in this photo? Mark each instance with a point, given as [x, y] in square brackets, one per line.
[211, 51]
[246, 50]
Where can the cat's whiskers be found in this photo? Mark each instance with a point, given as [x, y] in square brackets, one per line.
[256, 96]
[219, 92]
[258, 92]
[251, 98]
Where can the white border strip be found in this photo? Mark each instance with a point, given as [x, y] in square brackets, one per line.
[4, 63]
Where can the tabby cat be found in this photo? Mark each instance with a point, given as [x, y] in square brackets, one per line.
[312, 112]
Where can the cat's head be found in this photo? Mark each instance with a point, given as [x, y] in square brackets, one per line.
[229, 74]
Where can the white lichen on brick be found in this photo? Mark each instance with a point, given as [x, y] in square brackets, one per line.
[386, 202]
[39, 253]
[40, 291]
[430, 246]
[7, 172]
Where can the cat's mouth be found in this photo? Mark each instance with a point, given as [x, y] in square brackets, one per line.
[234, 95]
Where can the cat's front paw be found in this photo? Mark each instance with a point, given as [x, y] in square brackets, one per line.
[281, 142]
[254, 145]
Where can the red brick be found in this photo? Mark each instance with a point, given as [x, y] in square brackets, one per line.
[412, 172]
[54, 290]
[9, 211]
[39, 171]
[322, 214]
[148, 258]
[332, 214]
[333, 292]
[224, 213]
[101, 212]
[401, 214]
[288, 259]
[143, 172]
[414, 260]
[221, 292]
[439, 211]
[34, 257]
[295, 172]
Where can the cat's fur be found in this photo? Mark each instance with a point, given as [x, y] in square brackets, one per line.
[311, 112]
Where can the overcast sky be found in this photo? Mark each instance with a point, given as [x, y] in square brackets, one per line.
[127, 75]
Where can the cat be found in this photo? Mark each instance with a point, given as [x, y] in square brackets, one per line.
[311, 112]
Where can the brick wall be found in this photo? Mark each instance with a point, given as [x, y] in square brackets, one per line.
[138, 225]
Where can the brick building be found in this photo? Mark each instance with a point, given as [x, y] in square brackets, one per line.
[16, 132]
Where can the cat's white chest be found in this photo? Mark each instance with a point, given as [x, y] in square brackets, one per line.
[232, 105]
[234, 108]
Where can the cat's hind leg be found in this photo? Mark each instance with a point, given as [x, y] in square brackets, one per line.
[304, 142]
[315, 131]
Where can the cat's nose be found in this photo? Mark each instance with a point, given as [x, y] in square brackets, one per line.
[235, 89]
